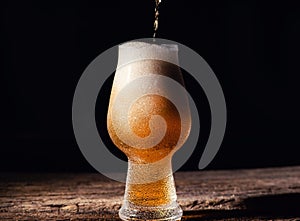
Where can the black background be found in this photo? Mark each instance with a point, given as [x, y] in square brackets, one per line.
[252, 46]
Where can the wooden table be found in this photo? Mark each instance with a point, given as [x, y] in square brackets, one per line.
[256, 194]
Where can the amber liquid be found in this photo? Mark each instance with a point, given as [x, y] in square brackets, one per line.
[159, 191]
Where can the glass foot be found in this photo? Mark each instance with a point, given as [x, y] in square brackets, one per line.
[171, 212]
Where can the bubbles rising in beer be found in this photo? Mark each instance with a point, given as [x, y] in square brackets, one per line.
[141, 112]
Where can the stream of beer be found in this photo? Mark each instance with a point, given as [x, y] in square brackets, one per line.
[155, 25]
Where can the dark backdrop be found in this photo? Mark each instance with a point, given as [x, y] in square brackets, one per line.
[252, 46]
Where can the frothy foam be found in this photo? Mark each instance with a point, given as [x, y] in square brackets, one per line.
[135, 51]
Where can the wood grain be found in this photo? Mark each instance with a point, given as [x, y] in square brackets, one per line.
[256, 194]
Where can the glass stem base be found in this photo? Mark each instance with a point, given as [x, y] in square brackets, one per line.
[130, 212]
[150, 192]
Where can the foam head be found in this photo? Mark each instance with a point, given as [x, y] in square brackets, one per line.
[134, 51]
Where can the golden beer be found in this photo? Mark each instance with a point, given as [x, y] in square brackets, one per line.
[150, 191]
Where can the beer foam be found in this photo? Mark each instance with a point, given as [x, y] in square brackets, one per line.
[135, 51]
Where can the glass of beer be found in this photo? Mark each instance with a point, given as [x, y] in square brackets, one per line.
[149, 119]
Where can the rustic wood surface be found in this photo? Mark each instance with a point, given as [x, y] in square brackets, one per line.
[256, 194]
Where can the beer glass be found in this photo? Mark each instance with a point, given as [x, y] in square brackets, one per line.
[149, 119]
